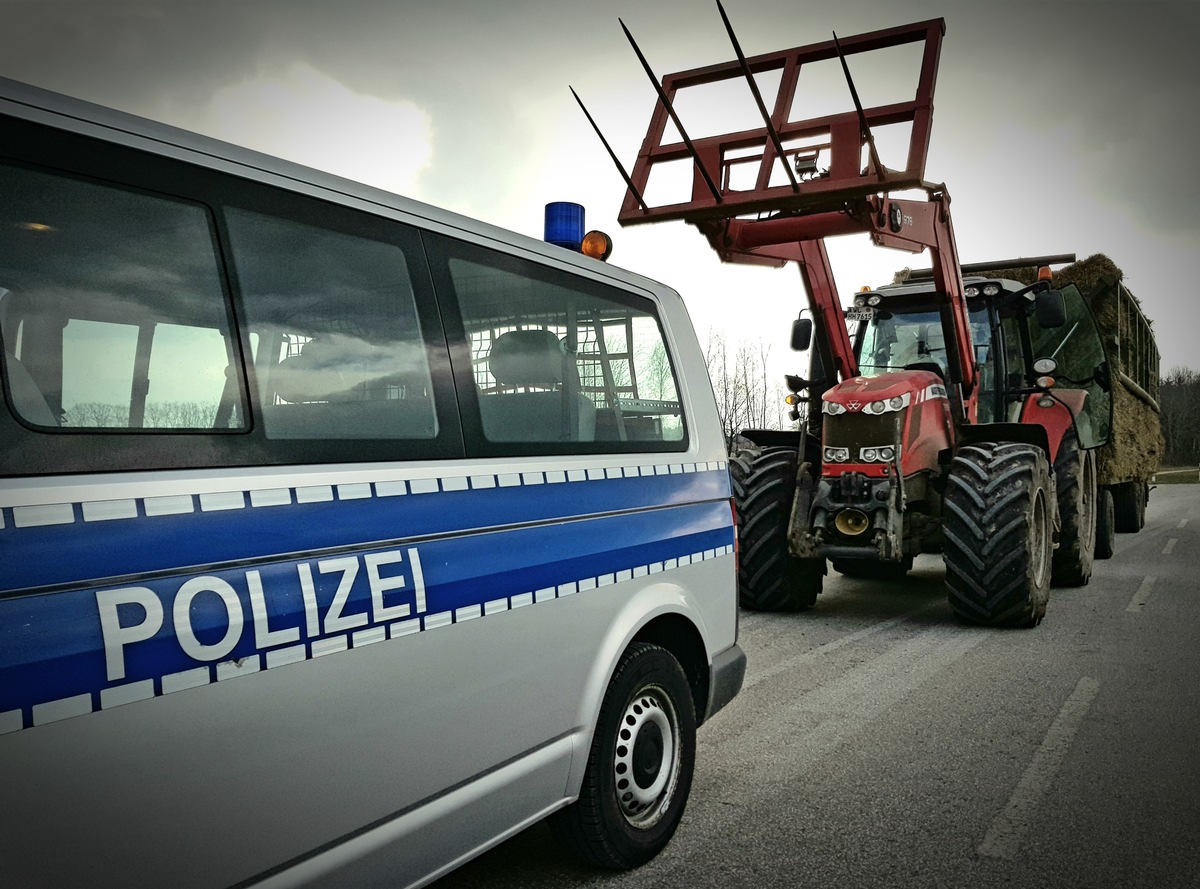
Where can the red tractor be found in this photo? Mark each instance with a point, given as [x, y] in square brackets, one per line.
[947, 415]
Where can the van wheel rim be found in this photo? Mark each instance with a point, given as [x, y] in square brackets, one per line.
[646, 764]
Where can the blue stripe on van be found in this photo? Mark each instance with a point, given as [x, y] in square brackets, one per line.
[79, 551]
[56, 662]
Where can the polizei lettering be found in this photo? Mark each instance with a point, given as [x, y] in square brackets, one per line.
[213, 617]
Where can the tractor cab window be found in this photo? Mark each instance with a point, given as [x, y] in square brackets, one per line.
[900, 340]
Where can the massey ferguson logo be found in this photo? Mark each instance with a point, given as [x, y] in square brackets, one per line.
[853, 405]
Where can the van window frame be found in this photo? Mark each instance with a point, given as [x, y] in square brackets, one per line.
[28, 450]
[441, 250]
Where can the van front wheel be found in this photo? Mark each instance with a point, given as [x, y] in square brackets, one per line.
[639, 770]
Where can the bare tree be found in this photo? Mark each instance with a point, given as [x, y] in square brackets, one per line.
[746, 397]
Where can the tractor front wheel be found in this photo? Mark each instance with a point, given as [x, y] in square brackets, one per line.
[769, 577]
[999, 516]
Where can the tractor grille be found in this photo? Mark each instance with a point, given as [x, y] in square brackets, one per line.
[855, 431]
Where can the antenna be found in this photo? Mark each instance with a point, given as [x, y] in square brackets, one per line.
[662, 97]
[762, 108]
[864, 127]
[632, 188]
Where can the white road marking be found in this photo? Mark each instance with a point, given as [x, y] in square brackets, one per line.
[1170, 546]
[1009, 828]
[1183, 523]
[1142, 594]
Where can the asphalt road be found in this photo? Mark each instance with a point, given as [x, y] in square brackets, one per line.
[876, 742]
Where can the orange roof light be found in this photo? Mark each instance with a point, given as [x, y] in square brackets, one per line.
[597, 245]
[1044, 273]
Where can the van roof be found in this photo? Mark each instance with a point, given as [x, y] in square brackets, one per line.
[34, 104]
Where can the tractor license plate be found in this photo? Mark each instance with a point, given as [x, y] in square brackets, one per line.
[860, 314]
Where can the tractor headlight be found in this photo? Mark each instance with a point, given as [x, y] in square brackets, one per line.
[884, 454]
[895, 403]
[837, 455]
[832, 408]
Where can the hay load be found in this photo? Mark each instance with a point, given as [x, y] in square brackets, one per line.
[1128, 462]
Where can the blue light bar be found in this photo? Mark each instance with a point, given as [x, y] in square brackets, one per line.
[564, 224]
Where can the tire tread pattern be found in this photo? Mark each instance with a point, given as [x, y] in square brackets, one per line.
[1075, 487]
[991, 574]
[769, 577]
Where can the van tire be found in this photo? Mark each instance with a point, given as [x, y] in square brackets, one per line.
[1105, 527]
[649, 704]
[999, 516]
[769, 577]
[1075, 487]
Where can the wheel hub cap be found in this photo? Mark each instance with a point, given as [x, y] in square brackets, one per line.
[645, 762]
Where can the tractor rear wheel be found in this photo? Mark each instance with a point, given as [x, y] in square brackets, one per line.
[1075, 488]
[998, 529]
[1105, 527]
[769, 577]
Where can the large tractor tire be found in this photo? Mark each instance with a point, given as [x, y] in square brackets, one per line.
[1075, 488]
[999, 540]
[1129, 505]
[769, 577]
[1105, 525]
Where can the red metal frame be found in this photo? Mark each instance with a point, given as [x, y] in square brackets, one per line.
[843, 132]
[846, 199]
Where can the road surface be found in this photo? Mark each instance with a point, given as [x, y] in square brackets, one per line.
[877, 743]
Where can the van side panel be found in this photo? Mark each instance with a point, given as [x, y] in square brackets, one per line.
[400, 625]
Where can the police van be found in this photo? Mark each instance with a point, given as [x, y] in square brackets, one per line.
[341, 537]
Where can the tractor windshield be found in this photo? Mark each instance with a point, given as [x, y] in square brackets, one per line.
[911, 337]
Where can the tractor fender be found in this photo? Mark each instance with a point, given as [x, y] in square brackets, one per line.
[1058, 419]
[1029, 433]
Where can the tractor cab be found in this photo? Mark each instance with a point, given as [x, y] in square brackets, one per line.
[1015, 330]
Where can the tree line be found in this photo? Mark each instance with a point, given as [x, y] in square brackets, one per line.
[1179, 403]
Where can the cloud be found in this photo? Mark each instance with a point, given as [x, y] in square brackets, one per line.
[303, 115]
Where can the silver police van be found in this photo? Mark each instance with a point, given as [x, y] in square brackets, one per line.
[341, 537]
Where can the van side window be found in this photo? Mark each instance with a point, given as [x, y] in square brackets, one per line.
[337, 347]
[111, 309]
[554, 361]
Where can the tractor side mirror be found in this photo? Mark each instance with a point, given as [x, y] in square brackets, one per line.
[1103, 376]
[802, 329]
[1049, 309]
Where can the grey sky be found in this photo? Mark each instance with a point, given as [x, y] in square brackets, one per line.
[1059, 126]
